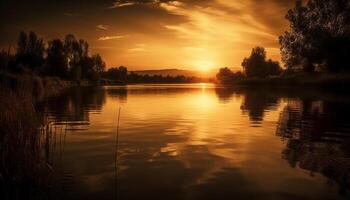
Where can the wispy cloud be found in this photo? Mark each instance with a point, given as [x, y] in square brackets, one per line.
[138, 48]
[225, 31]
[102, 27]
[124, 3]
[113, 37]
[118, 4]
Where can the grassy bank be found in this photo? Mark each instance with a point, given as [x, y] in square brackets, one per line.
[37, 86]
[25, 142]
[317, 80]
[26, 134]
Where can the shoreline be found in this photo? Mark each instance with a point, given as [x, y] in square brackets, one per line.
[47, 86]
[319, 81]
[39, 87]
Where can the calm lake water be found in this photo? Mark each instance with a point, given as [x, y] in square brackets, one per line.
[199, 141]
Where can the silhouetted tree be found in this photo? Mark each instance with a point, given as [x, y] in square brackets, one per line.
[225, 75]
[118, 74]
[30, 50]
[257, 66]
[111, 73]
[319, 36]
[77, 53]
[98, 66]
[70, 46]
[273, 67]
[123, 74]
[254, 65]
[83, 57]
[73, 52]
[68, 58]
[57, 64]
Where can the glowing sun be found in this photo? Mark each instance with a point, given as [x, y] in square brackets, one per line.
[204, 65]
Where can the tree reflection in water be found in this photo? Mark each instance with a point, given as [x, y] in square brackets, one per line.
[255, 101]
[315, 126]
[76, 103]
[317, 135]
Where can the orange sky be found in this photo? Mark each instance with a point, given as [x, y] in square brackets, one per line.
[155, 34]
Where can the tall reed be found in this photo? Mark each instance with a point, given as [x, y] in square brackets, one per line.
[24, 136]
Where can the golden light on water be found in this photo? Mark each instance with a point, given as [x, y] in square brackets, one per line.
[203, 85]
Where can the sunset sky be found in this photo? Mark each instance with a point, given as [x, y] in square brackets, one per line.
[155, 34]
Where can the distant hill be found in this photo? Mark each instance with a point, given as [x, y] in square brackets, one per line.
[169, 72]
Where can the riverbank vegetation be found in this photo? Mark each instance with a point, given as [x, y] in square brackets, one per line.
[68, 60]
[315, 50]
[34, 71]
[25, 145]
[121, 75]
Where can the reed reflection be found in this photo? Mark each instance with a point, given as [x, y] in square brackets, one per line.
[75, 105]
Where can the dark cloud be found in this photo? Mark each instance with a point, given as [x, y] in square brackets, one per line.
[56, 18]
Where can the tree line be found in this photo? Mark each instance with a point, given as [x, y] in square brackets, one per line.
[318, 40]
[121, 75]
[68, 59]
